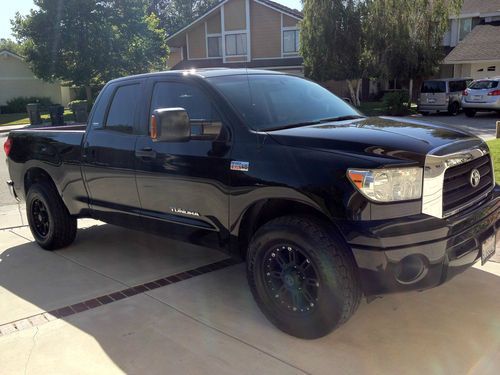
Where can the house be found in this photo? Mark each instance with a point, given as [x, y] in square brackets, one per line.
[474, 41]
[17, 79]
[240, 33]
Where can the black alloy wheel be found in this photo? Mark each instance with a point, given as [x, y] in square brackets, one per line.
[291, 280]
[302, 275]
[40, 216]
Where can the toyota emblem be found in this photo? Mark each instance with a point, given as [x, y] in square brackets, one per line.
[475, 177]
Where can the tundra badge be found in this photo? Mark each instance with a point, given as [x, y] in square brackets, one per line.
[240, 166]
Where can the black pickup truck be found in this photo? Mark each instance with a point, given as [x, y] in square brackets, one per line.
[324, 203]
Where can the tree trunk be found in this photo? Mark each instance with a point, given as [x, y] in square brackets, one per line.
[88, 94]
[354, 86]
[358, 89]
[410, 89]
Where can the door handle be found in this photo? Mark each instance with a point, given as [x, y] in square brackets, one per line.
[146, 152]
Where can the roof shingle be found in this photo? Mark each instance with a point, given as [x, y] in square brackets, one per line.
[480, 6]
[482, 43]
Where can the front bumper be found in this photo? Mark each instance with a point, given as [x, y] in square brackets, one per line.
[421, 251]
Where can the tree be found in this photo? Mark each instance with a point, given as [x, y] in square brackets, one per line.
[12, 46]
[333, 42]
[174, 14]
[88, 42]
[405, 36]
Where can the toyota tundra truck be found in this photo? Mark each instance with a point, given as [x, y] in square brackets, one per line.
[324, 204]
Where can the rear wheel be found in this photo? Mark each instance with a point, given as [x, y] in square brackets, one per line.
[470, 112]
[302, 276]
[50, 222]
[454, 109]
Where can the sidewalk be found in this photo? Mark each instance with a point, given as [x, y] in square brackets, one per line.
[6, 129]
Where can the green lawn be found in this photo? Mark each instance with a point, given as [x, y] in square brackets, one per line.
[495, 152]
[22, 118]
[378, 109]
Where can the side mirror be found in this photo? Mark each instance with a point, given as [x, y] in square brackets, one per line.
[170, 125]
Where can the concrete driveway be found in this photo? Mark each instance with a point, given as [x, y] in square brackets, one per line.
[119, 301]
[482, 125]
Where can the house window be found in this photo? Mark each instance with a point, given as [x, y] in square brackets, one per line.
[464, 27]
[492, 68]
[290, 41]
[214, 46]
[236, 44]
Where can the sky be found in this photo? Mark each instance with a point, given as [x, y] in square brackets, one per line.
[9, 9]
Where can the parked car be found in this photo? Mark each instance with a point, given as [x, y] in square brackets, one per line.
[442, 95]
[324, 203]
[482, 95]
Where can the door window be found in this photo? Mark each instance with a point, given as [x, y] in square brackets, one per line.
[122, 110]
[205, 121]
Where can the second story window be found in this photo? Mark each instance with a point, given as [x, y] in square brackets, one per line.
[214, 44]
[236, 44]
[290, 41]
[464, 27]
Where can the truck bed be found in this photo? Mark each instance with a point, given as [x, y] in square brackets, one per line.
[56, 150]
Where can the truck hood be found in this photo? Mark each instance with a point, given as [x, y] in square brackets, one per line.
[401, 139]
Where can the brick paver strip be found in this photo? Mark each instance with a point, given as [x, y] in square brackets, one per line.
[62, 312]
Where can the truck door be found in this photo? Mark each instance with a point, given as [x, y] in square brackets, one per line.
[185, 184]
[108, 151]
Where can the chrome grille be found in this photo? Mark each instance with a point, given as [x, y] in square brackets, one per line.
[457, 189]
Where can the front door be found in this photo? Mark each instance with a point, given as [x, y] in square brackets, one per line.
[185, 184]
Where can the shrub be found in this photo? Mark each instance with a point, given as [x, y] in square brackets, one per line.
[396, 103]
[75, 102]
[18, 105]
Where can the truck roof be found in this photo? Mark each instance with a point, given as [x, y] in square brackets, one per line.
[203, 73]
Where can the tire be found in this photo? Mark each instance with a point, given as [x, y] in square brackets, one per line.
[470, 112]
[50, 222]
[334, 291]
[454, 109]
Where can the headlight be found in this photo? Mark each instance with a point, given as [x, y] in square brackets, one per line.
[388, 185]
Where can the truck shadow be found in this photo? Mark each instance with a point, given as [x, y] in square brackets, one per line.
[450, 329]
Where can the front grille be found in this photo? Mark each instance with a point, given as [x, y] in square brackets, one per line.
[457, 189]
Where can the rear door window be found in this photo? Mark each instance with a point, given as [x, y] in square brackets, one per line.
[456, 86]
[483, 85]
[121, 115]
[433, 87]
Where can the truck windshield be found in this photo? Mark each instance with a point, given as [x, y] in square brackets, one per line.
[272, 101]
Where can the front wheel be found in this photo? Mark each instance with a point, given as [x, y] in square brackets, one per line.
[470, 112]
[50, 222]
[302, 276]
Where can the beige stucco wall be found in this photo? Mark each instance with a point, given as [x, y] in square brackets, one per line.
[213, 23]
[462, 70]
[234, 15]
[197, 43]
[265, 28]
[16, 79]
[289, 21]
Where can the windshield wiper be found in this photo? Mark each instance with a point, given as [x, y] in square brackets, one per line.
[340, 118]
[296, 125]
